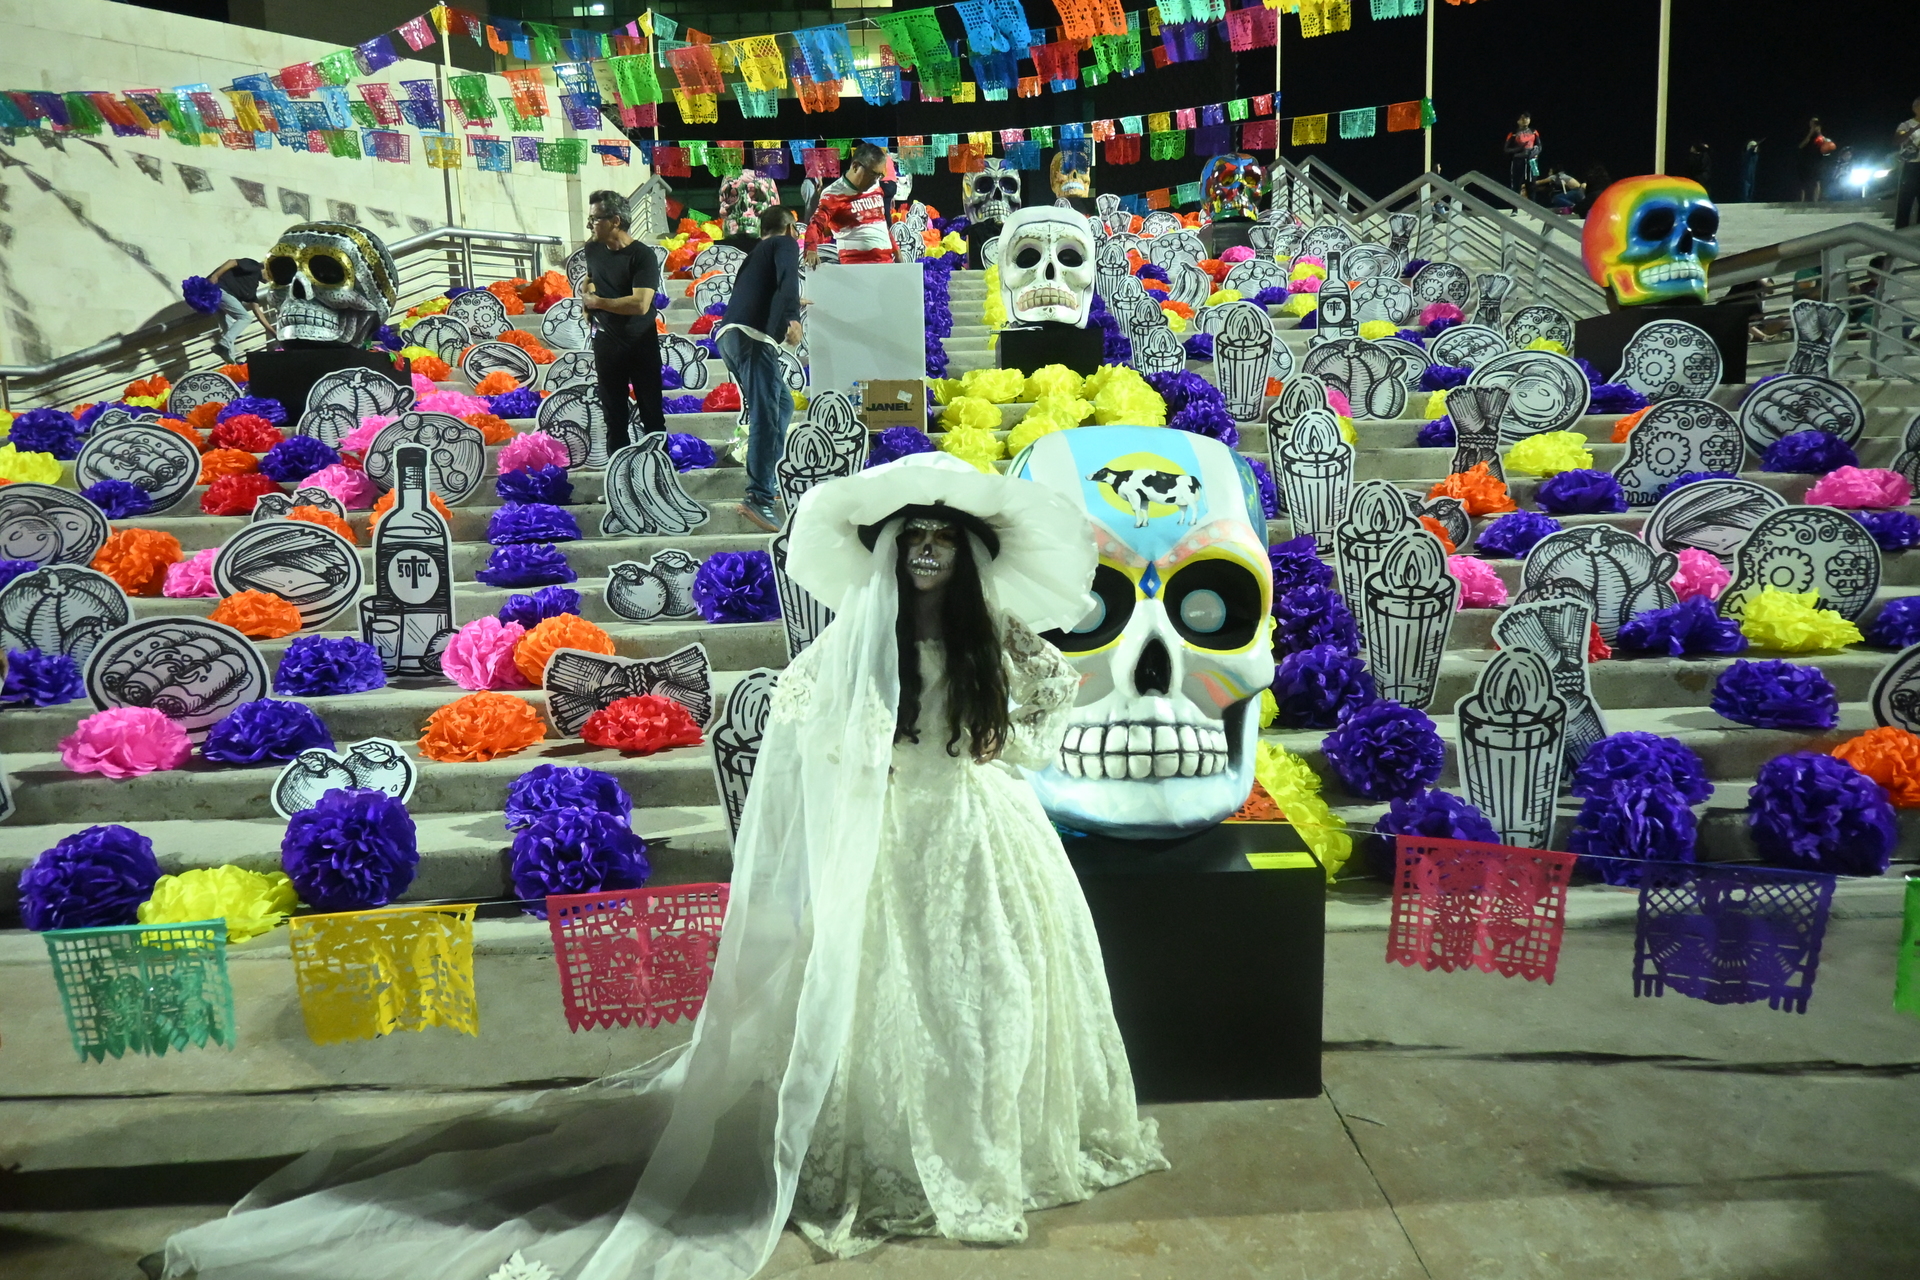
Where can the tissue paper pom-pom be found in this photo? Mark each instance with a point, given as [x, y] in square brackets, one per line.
[1129, 404]
[27, 466]
[1550, 453]
[193, 577]
[565, 851]
[1624, 428]
[1152, 272]
[296, 458]
[1239, 253]
[1436, 405]
[897, 442]
[137, 559]
[494, 429]
[1374, 330]
[480, 655]
[387, 499]
[565, 631]
[272, 410]
[1614, 397]
[1210, 420]
[1897, 625]
[1269, 489]
[641, 725]
[1581, 492]
[1645, 758]
[1815, 813]
[534, 449]
[1424, 813]
[350, 488]
[1808, 453]
[535, 484]
[216, 464]
[11, 569]
[235, 495]
[251, 903]
[1300, 302]
[1032, 427]
[971, 411]
[736, 586]
[322, 516]
[724, 398]
[453, 404]
[259, 614]
[322, 666]
[1701, 574]
[118, 499]
[1482, 494]
[202, 294]
[1692, 477]
[1444, 377]
[548, 602]
[1852, 488]
[689, 453]
[125, 742]
[549, 788]
[535, 564]
[974, 446]
[1271, 296]
[1054, 380]
[481, 726]
[1383, 750]
[90, 879]
[1480, 585]
[1890, 530]
[353, 850]
[1774, 694]
[1440, 311]
[681, 404]
[248, 433]
[497, 383]
[523, 402]
[1182, 388]
[1514, 534]
[703, 324]
[426, 366]
[1199, 346]
[524, 340]
[1891, 757]
[1436, 433]
[1439, 531]
[1683, 630]
[46, 431]
[265, 729]
[1597, 648]
[1309, 616]
[1296, 564]
[531, 522]
[1313, 687]
[1789, 623]
[1626, 824]
[36, 679]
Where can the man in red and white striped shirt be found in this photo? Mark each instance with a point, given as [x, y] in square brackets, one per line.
[853, 212]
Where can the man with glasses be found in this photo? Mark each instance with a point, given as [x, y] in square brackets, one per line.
[623, 280]
[853, 212]
[763, 312]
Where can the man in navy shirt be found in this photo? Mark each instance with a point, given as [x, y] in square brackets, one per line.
[763, 312]
[623, 280]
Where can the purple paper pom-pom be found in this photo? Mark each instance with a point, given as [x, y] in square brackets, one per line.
[296, 458]
[548, 602]
[389, 339]
[1311, 320]
[527, 522]
[1444, 377]
[1424, 813]
[736, 586]
[1681, 630]
[202, 294]
[1891, 530]
[458, 290]
[89, 879]
[681, 404]
[319, 666]
[709, 346]
[1687, 478]
[895, 443]
[353, 850]
[689, 453]
[1314, 687]
[1199, 346]
[1513, 534]
[46, 431]
[1615, 397]
[265, 729]
[1308, 616]
[1271, 296]
[1383, 750]
[1154, 271]
[1114, 346]
[1269, 491]
[259, 406]
[1581, 492]
[1412, 268]
[1436, 433]
[1813, 812]
[549, 788]
[1897, 625]
[549, 484]
[671, 379]
[1183, 388]
[1772, 693]
[521, 402]
[1210, 420]
[529, 565]
[37, 679]
[1296, 564]
[118, 499]
[1643, 758]
[1812, 453]
[1414, 336]
[715, 309]
[1440, 325]
[1624, 824]
[11, 569]
[91, 414]
[577, 851]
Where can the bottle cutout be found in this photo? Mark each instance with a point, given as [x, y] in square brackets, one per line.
[409, 617]
[1335, 319]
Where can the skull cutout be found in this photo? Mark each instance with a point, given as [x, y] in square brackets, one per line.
[1047, 265]
[1173, 657]
[993, 193]
[1232, 185]
[329, 282]
[1651, 239]
[1072, 175]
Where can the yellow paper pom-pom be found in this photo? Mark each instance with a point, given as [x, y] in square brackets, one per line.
[1068, 411]
[38, 468]
[970, 411]
[1300, 304]
[1053, 380]
[799, 402]
[1000, 386]
[1789, 623]
[6, 423]
[1550, 453]
[1295, 788]
[994, 310]
[1372, 330]
[1347, 431]
[944, 389]
[952, 243]
[1107, 375]
[1175, 321]
[1544, 344]
[973, 445]
[1436, 404]
[251, 902]
[431, 307]
[1031, 428]
[1269, 708]
[418, 353]
[1307, 271]
[1129, 404]
[1219, 296]
[147, 402]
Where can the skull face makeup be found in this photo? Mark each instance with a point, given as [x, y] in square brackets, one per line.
[1651, 239]
[329, 282]
[1047, 266]
[1072, 175]
[929, 547]
[993, 193]
[1232, 185]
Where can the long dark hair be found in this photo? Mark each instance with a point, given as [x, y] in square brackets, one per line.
[970, 643]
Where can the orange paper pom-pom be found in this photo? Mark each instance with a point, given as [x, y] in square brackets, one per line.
[1215, 268]
[157, 385]
[237, 372]
[481, 726]
[493, 428]
[385, 504]
[215, 463]
[137, 559]
[1180, 309]
[1891, 757]
[432, 368]
[1275, 386]
[1625, 426]
[180, 428]
[203, 417]
[1477, 488]
[562, 631]
[642, 725]
[235, 495]
[259, 614]
[529, 344]
[1260, 807]
[497, 383]
[320, 515]
[509, 294]
[1438, 530]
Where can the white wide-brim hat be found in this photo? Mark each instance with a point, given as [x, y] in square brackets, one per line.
[1040, 572]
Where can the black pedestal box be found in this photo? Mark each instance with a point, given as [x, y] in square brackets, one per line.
[1601, 339]
[1031, 347]
[287, 375]
[978, 233]
[1228, 233]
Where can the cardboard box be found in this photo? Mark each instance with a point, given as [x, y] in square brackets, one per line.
[894, 404]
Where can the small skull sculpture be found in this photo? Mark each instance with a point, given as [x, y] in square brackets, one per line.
[1072, 175]
[330, 282]
[1651, 240]
[1047, 266]
[993, 193]
[1233, 185]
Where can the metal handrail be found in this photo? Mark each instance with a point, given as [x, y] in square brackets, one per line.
[1881, 294]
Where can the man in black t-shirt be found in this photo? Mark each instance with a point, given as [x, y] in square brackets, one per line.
[239, 281]
[623, 281]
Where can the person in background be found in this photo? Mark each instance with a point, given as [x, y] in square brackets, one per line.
[744, 196]
[1523, 153]
[623, 281]
[1812, 161]
[1906, 167]
[1559, 191]
[1700, 164]
[1749, 170]
[763, 312]
[852, 212]
[239, 281]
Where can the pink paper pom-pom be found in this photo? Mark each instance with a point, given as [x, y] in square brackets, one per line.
[422, 386]
[480, 655]
[1338, 402]
[352, 488]
[1310, 260]
[1856, 487]
[1440, 311]
[1700, 574]
[451, 402]
[1239, 253]
[533, 449]
[125, 742]
[1480, 585]
[192, 577]
[357, 440]
[1307, 284]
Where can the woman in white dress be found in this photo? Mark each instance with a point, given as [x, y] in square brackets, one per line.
[908, 1031]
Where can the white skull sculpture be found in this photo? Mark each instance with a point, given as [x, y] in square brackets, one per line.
[330, 282]
[1047, 261]
[1172, 660]
[993, 193]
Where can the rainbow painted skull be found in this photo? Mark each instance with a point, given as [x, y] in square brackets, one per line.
[1651, 240]
[1232, 185]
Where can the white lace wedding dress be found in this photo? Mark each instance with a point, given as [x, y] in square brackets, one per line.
[984, 1075]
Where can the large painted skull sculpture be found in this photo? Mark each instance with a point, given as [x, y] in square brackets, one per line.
[1173, 658]
[1232, 186]
[330, 282]
[1651, 240]
[1072, 175]
[993, 193]
[1047, 261]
